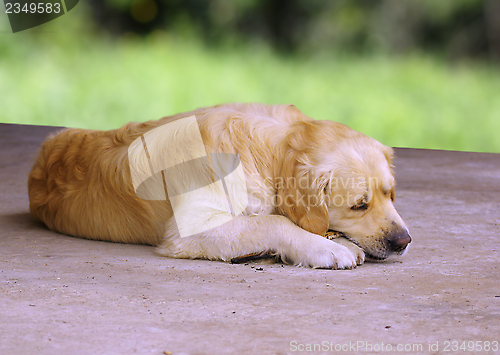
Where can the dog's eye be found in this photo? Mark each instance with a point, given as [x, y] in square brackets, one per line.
[360, 207]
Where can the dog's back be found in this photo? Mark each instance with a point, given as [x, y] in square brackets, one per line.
[81, 180]
[81, 185]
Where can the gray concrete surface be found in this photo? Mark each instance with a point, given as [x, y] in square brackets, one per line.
[63, 295]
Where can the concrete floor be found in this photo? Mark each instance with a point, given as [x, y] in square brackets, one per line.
[63, 295]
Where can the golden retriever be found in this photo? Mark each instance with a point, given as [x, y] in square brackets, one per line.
[303, 177]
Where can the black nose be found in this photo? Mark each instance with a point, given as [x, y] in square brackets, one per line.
[399, 239]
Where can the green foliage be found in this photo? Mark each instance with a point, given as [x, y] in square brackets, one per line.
[455, 28]
[95, 82]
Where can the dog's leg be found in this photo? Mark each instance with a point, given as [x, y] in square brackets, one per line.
[246, 235]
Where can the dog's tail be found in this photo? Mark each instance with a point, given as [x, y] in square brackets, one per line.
[56, 164]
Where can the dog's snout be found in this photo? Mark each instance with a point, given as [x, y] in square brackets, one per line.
[399, 239]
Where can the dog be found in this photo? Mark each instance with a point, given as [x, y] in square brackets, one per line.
[303, 177]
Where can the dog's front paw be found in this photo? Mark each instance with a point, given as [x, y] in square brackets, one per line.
[353, 248]
[324, 254]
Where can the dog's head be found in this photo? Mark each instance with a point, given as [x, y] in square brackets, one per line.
[334, 178]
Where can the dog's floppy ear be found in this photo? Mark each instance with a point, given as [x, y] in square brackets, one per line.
[300, 195]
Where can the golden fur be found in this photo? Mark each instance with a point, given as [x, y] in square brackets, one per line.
[80, 185]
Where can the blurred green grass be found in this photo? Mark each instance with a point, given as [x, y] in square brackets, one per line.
[93, 82]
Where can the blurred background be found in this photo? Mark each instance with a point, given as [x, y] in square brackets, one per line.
[410, 73]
